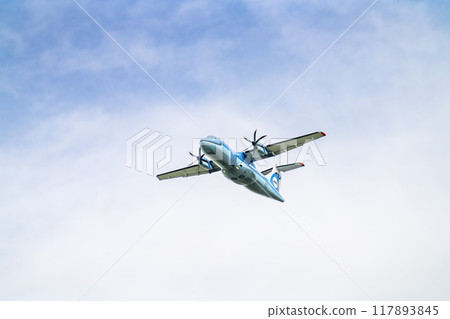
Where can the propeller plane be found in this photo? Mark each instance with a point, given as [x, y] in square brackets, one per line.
[239, 167]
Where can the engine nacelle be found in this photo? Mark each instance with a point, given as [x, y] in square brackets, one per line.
[206, 164]
[261, 149]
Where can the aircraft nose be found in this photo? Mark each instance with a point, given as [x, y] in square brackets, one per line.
[207, 146]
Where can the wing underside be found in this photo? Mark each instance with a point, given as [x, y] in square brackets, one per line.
[284, 146]
[193, 170]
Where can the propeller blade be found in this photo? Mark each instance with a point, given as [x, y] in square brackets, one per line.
[255, 140]
[259, 139]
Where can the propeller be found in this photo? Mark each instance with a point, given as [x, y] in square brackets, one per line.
[255, 141]
[200, 155]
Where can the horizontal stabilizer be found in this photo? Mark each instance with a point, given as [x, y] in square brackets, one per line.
[284, 168]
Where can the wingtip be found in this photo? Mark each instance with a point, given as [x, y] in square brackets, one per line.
[302, 164]
[323, 133]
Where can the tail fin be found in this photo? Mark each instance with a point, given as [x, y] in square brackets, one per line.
[275, 180]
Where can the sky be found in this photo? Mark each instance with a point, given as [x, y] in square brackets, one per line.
[77, 223]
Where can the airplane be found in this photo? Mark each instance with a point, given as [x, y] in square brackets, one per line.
[239, 167]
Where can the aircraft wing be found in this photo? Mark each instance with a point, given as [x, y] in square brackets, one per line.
[284, 146]
[188, 171]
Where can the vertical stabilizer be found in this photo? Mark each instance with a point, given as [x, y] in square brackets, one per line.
[275, 178]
